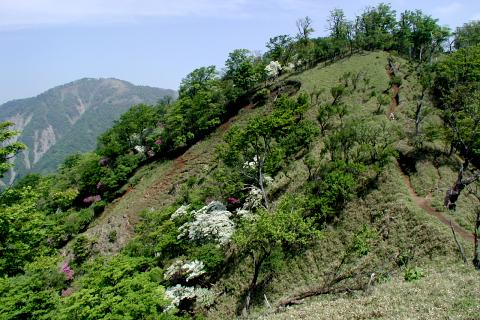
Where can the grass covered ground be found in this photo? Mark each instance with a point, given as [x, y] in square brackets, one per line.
[382, 232]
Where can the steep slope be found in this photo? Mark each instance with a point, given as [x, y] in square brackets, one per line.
[391, 236]
[68, 119]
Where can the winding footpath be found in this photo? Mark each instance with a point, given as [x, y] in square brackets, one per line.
[425, 205]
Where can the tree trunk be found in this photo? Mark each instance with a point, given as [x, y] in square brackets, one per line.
[476, 253]
[257, 265]
[453, 193]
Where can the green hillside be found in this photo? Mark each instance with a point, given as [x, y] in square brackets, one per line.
[68, 119]
[330, 178]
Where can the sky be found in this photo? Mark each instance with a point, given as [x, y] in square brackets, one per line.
[46, 43]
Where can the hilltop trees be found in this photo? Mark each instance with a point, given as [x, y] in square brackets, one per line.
[467, 35]
[243, 69]
[419, 36]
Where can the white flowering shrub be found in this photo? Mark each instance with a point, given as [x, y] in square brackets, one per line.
[251, 164]
[178, 293]
[254, 199]
[184, 269]
[180, 212]
[211, 223]
[273, 69]
[203, 296]
[139, 149]
[290, 67]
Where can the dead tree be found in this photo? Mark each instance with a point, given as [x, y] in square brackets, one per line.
[453, 192]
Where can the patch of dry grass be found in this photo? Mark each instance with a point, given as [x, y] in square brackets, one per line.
[448, 290]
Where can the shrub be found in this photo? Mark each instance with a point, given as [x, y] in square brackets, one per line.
[412, 274]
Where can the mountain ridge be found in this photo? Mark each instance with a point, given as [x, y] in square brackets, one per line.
[68, 118]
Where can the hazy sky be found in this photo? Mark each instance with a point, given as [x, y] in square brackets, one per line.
[45, 43]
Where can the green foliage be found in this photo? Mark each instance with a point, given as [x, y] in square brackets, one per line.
[244, 69]
[33, 294]
[23, 231]
[456, 91]
[210, 254]
[158, 236]
[286, 228]
[467, 35]
[82, 248]
[412, 274]
[331, 188]
[362, 241]
[363, 141]
[395, 81]
[8, 149]
[280, 48]
[129, 131]
[123, 287]
[419, 36]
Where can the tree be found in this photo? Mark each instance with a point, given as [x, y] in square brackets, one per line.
[375, 26]
[243, 69]
[283, 229]
[340, 31]
[457, 95]
[419, 36]
[8, 147]
[261, 147]
[198, 80]
[467, 35]
[305, 29]
[280, 48]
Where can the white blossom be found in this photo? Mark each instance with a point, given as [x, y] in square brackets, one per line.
[176, 294]
[185, 269]
[254, 199]
[273, 69]
[212, 222]
[139, 149]
[180, 212]
[251, 164]
[289, 67]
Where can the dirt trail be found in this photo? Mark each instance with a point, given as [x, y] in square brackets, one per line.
[425, 205]
[159, 188]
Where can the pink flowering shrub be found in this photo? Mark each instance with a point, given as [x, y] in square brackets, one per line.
[158, 142]
[67, 271]
[67, 292]
[233, 200]
[92, 199]
[104, 161]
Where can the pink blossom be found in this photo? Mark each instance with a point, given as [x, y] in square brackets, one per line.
[233, 200]
[158, 142]
[99, 185]
[67, 271]
[104, 161]
[92, 199]
[66, 292]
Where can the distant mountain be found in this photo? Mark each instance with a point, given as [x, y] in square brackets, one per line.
[69, 118]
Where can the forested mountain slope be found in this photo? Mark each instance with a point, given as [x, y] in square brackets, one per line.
[330, 178]
[69, 118]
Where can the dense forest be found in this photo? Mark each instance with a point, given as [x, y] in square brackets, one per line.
[275, 159]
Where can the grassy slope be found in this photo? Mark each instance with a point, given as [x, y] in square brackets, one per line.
[400, 228]
[154, 187]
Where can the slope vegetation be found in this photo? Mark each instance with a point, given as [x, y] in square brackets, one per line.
[69, 118]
